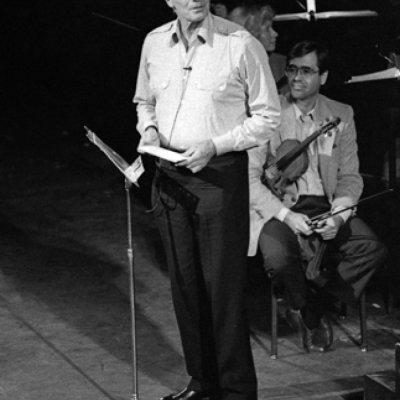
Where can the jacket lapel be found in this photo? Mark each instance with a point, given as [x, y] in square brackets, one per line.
[325, 143]
[326, 146]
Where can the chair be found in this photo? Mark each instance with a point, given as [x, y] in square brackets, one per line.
[343, 314]
[362, 310]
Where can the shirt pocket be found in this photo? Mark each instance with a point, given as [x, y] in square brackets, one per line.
[219, 87]
[159, 85]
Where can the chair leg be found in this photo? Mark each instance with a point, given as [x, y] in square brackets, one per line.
[362, 312]
[274, 323]
[343, 311]
[363, 322]
[388, 294]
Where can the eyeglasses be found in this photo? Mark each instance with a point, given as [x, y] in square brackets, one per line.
[307, 72]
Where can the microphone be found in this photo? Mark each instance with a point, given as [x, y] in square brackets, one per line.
[189, 68]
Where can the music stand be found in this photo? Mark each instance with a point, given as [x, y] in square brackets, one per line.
[132, 290]
[131, 173]
[390, 79]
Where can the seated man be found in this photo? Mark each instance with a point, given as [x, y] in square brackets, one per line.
[331, 182]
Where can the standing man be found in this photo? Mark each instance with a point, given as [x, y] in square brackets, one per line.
[330, 183]
[205, 89]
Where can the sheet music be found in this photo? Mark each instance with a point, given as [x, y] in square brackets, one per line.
[389, 73]
[132, 172]
[160, 152]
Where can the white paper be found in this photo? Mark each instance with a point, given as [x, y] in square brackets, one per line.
[384, 74]
[324, 15]
[160, 152]
[134, 171]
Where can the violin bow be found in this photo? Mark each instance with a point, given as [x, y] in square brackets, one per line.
[321, 217]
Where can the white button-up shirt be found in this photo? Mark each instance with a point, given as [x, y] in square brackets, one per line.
[220, 88]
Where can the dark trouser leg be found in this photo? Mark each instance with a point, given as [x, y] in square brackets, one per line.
[282, 260]
[207, 256]
[360, 254]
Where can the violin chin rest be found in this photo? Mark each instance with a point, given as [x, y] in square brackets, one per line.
[290, 195]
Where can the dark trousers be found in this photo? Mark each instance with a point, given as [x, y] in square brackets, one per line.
[351, 258]
[203, 219]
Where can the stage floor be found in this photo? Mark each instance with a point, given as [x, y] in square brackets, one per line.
[64, 294]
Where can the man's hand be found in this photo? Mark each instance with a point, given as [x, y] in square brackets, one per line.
[150, 137]
[198, 156]
[298, 223]
[329, 228]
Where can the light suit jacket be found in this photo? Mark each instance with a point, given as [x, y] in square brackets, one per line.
[338, 163]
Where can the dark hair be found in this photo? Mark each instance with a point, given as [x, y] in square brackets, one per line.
[308, 46]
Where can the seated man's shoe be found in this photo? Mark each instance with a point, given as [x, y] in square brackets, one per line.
[295, 320]
[186, 394]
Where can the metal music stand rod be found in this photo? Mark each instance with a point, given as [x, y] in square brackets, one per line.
[132, 295]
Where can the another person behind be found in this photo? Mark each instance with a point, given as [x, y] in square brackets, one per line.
[222, 8]
[257, 18]
[331, 182]
[205, 89]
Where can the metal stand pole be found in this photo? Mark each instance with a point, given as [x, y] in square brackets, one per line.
[135, 394]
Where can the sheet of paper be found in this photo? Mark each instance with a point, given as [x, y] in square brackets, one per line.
[166, 154]
[384, 74]
[134, 171]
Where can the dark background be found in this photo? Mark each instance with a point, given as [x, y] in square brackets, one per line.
[65, 66]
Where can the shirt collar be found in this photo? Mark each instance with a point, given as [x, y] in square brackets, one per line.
[299, 114]
[204, 31]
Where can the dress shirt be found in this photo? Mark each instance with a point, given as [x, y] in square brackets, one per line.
[220, 87]
[309, 184]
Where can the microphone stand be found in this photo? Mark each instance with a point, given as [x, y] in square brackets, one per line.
[123, 166]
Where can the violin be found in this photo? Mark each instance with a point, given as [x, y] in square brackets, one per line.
[290, 162]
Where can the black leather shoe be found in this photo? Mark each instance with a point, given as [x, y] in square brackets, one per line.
[306, 335]
[186, 394]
